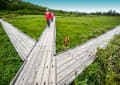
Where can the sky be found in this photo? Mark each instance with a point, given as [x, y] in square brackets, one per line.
[79, 5]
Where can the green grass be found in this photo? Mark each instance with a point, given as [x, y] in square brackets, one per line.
[106, 69]
[79, 29]
[9, 60]
[29, 24]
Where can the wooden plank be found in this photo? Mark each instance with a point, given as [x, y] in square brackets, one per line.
[29, 65]
[40, 58]
[75, 52]
[43, 72]
[46, 76]
[22, 43]
[18, 33]
[68, 79]
[71, 68]
[14, 42]
[40, 67]
[28, 41]
[80, 48]
[30, 62]
[64, 76]
[18, 44]
[26, 69]
[71, 62]
[53, 76]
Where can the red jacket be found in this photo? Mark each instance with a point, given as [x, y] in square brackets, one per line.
[48, 16]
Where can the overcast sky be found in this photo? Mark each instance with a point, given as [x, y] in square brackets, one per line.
[79, 5]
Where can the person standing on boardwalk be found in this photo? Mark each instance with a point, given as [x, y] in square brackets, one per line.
[52, 16]
[48, 17]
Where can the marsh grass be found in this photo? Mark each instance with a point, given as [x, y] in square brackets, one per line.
[79, 29]
[29, 24]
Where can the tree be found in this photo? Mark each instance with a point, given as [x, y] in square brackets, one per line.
[3, 4]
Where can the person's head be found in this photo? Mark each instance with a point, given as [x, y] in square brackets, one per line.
[47, 10]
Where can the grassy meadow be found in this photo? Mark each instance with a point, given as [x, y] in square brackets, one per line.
[79, 29]
[29, 24]
[104, 71]
[9, 59]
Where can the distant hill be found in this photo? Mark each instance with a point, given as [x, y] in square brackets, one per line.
[18, 4]
[21, 7]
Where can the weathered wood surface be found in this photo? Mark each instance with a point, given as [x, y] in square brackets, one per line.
[22, 42]
[42, 67]
[39, 67]
[76, 59]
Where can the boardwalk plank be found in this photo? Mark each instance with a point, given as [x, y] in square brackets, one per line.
[42, 67]
[22, 43]
[73, 60]
[40, 64]
[68, 79]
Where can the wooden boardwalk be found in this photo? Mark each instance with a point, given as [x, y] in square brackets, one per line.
[22, 42]
[42, 67]
[76, 59]
[39, 67]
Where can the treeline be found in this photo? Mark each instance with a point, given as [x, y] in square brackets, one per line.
[14, 5]
[21, 7]
[109, 13]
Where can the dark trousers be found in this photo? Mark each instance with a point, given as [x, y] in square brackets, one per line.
[48, 23]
